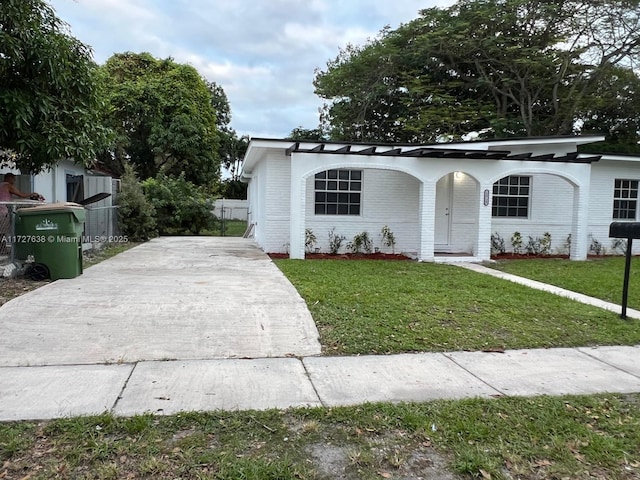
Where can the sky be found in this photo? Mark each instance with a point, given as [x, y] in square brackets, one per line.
[263, 53]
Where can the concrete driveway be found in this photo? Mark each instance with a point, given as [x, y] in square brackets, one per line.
[174, 298]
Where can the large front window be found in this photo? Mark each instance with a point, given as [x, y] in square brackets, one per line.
[625, 199]
[511, 196]
[338, 192]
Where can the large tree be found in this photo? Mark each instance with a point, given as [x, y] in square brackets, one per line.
[50, 101]
[514, 67]
[165, 115]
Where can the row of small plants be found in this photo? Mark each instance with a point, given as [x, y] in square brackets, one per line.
[542, 245]
[359, 244]
[534, 245]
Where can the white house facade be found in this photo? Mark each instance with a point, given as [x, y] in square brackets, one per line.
[441, 201]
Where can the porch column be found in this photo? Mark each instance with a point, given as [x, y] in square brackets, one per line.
[579, 229]
[483, 240]
[427, 221]
[297, 213]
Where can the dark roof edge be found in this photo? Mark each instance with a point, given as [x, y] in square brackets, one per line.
[383, 144]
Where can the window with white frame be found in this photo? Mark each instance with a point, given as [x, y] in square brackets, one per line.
[625, 199]
[337, 192]
[511, 197]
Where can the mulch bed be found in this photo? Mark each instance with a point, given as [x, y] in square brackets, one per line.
[346, 256]
[523, 256]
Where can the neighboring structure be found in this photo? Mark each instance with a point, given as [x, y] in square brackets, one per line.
[440, 200]
[69, 182]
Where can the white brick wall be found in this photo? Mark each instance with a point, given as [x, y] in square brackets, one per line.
[603, 175]
[391, 197]
[277, 204]
[388, 198]
[551, 210]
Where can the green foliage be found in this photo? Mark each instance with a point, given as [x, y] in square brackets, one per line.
[619, 245]
[309, 240]
[596, 247]
[50, 100]
[516, 242]
[232, 150]
[539, 246]
[233, 189]
[567, 245]
[497, 243]
[136, 215]
[388, 238]
[361, 243]
[164, 116]
[335, 241]
[181, 207]
[504, 67]
[300, 133]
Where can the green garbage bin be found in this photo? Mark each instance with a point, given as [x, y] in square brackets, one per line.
[52, 234]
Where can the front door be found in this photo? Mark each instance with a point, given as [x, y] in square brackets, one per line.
[443, 213]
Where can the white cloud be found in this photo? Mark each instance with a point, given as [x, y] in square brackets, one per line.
[262, 52]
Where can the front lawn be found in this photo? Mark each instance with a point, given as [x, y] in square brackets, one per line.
[577, 437]
[599, 277]
[381, 307]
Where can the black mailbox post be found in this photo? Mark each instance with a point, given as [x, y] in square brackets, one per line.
[628, 230]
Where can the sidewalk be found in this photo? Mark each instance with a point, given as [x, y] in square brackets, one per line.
[181, 324]
[238, 384]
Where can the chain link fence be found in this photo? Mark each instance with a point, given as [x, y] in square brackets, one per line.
[7, 227]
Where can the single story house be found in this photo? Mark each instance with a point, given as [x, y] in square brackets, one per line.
[69, 182]
[440, 201]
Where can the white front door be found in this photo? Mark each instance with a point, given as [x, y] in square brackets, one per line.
[443, 213]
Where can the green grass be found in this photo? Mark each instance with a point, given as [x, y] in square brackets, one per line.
[600, 277]
[232, 228]
[380, 307]
[526, 438]
[108, 250]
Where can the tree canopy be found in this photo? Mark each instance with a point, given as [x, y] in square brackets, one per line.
[50, 103]
[510, 67]
[166, 118]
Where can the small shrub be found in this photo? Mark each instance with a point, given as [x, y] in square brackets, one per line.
[567, 245]
[309, 240]
[497, 244]
[335, 241]
[136, 214]
[545, 243]
[539, 246]
[360, 243]
[595, 246]
[516, 242]
[388, 238]
[619, 246]
[533, 246]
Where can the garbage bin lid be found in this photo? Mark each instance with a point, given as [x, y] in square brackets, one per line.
[49, 207]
